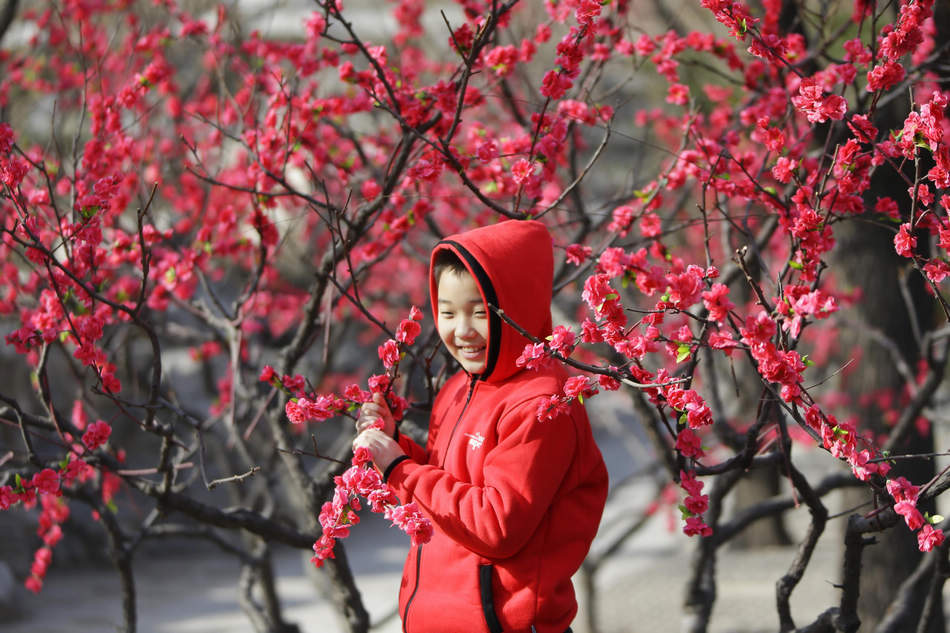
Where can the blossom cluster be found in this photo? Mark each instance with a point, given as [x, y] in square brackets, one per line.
[305, 406]
[46, 487]
[905, 494]
[694, 505]
[340, 514]
[842, 441]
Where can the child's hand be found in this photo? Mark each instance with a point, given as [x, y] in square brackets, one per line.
[384, 448]
[376, 410]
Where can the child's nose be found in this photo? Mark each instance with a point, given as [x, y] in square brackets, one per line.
[464, 328]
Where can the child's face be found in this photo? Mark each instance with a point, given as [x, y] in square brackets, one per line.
[463, 320]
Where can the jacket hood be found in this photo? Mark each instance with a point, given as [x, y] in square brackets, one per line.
[513, 264]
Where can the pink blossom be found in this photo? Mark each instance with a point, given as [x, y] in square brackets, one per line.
[912, 516]
[6, 138]
[695, 526]
[784, 169]
[578, 386]
[622, 218]
[562, 340]
[716, 300]
[379, 383]
[937, 270]
[689, 483]
[96, 435]
[577, 254]
[305, 410]
[677, 94]
[389, 353]
[555, 84]
[46, 481]
[323, 549]
[362, 455]
[7, 497]
[689, 444]
[644, 45]
[587, 11]
[929, 537]
[723, 341]
[76, 470]
[34, 584]
[294, 383]
[608, 383]
[902, 490]
[686, 287]
[370, 189]
[697, 504]
[904, 241]
[407, 331]
[267, 374]
[502, 59]
[818, 108]
[885, 76]
[550, 407]
[590, 333]
[522, 170]
[533, 356]
[410, 520]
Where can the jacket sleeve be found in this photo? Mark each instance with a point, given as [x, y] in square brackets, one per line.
[415, 452]
[521, 475]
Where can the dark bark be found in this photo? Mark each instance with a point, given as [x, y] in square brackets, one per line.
[7, 15]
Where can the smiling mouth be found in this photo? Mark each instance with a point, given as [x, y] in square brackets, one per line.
[471, 350]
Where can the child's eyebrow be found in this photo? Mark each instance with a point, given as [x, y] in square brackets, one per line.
[470, 301]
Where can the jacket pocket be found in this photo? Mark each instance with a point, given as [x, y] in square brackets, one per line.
[488, 598]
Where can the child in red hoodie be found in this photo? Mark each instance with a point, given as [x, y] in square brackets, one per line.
[515, 502]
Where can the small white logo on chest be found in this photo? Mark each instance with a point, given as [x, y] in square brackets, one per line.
[475, 441]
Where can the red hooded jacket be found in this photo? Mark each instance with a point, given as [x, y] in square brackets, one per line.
[515, 502]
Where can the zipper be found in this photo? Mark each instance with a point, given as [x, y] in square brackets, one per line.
[468, 398]
[405, 613]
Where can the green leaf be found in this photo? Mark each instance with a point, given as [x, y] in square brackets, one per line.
[935, 519]
[682, 352]
[796, 265]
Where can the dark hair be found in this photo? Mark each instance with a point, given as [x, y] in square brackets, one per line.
[447, 260]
